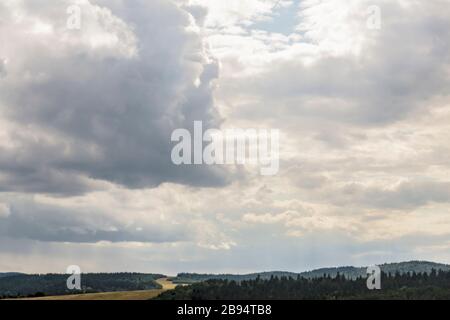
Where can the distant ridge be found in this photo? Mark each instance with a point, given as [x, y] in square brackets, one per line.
[392, 268]
[10, 274]
[348, 272]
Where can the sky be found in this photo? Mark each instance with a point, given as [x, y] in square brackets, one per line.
[86, 117]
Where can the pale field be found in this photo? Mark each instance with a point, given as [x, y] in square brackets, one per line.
[126, 295]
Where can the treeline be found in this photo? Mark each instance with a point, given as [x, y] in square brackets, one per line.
[18, 286]
[409, 286]
[189, 278]
[348, 272]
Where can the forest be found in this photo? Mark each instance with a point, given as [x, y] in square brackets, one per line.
[408, 286]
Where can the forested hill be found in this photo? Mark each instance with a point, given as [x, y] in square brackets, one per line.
[9, 274]
[348, 272]
[390, 268]
[23, 285]
[406, 286]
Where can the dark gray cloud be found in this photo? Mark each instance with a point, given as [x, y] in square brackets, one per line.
[109, 95]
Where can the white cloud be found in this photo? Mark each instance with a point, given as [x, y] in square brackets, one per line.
[227, 13]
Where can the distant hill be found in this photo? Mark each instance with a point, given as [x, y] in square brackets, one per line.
[389, 268]
[348, 272]
[24, 285]
[9, 274]
[196, 277]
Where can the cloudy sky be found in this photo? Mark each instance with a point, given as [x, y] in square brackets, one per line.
[86, 117]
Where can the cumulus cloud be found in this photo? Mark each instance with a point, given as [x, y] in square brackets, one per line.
[104, 99]
[342, 71]
[227, 14]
